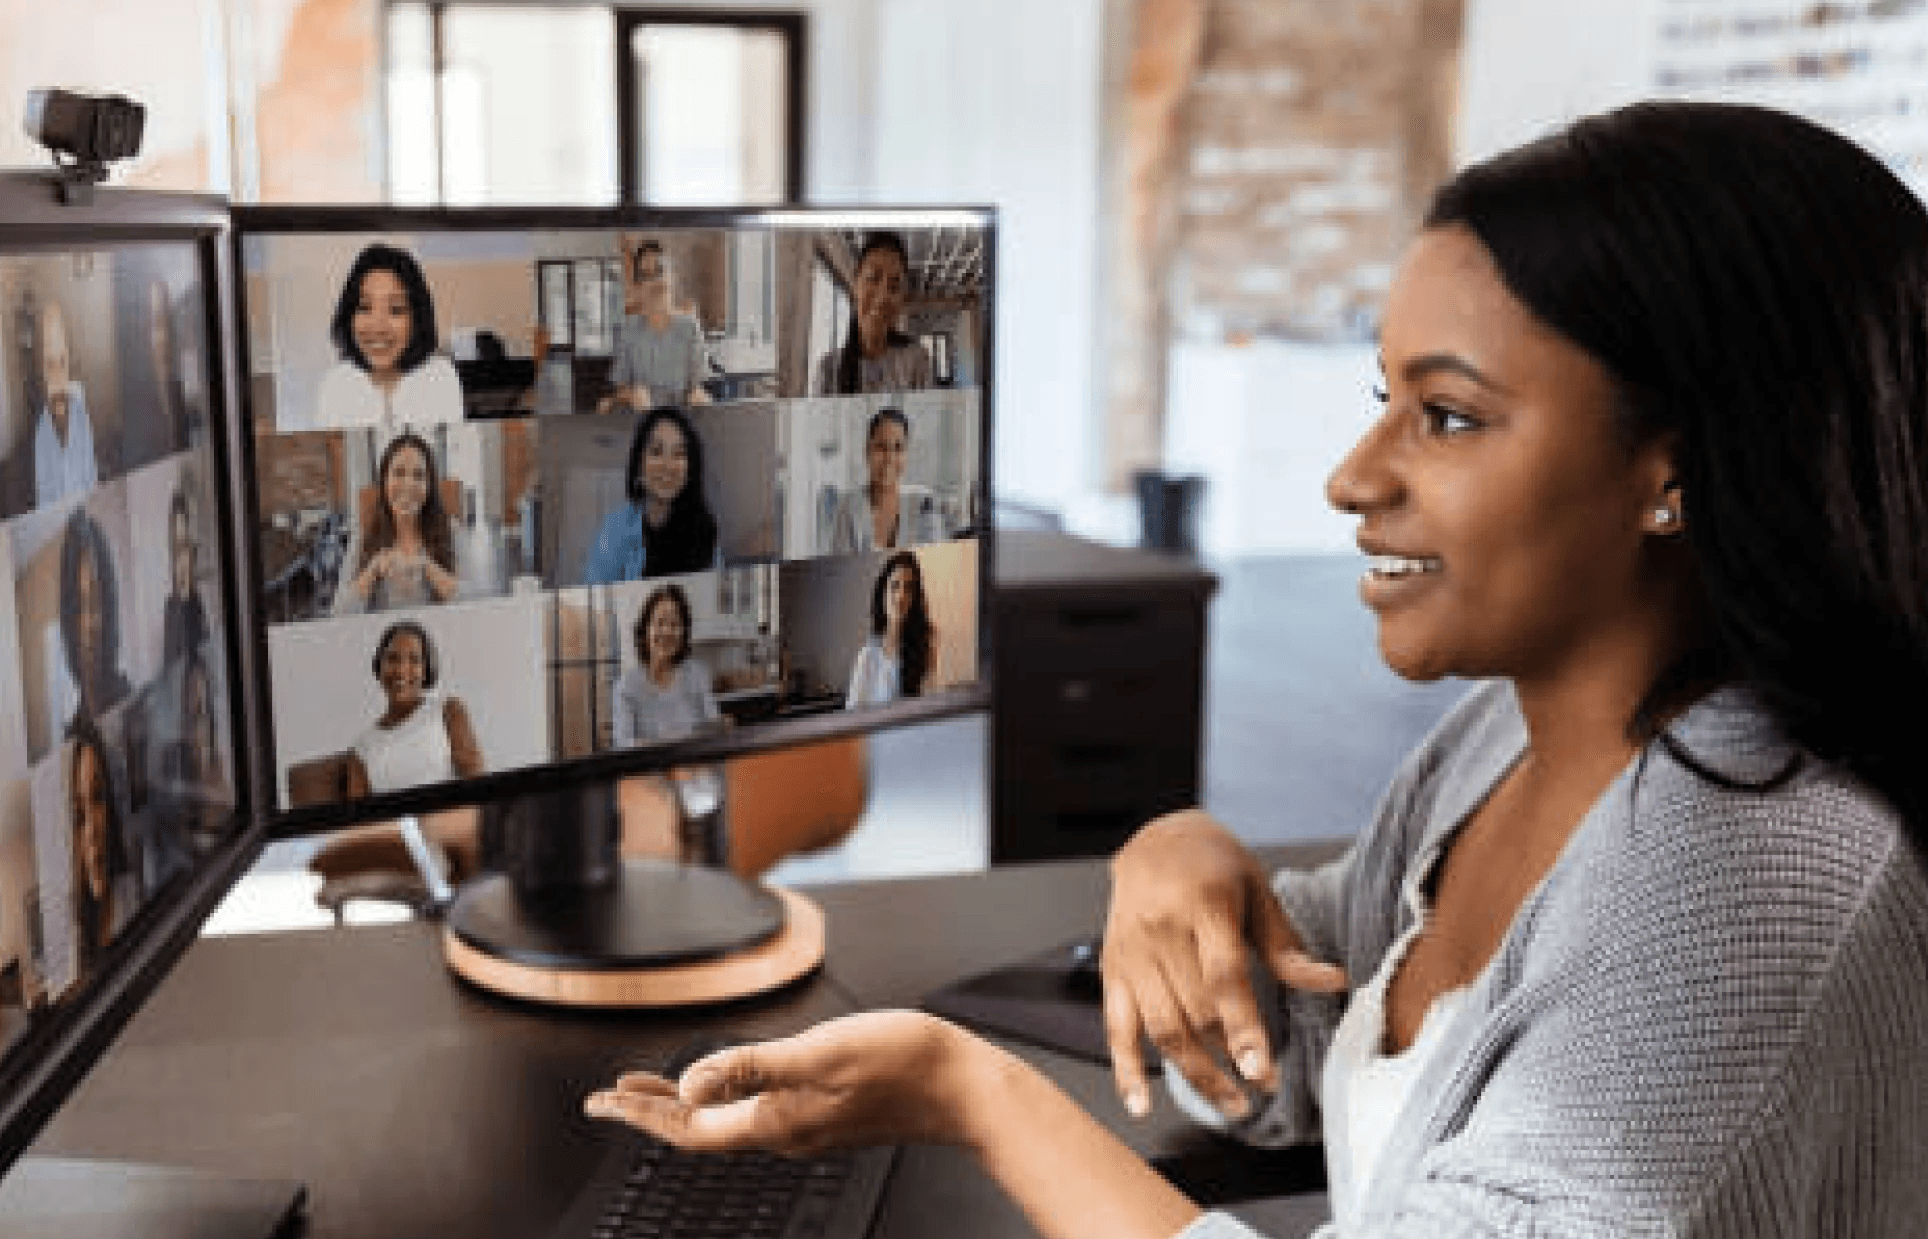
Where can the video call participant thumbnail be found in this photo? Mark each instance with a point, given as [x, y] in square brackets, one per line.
[886, 512]
[660, 357]
[63, 439]
[184, 624]
[668, 694]
[102, 894]
[897, 658]
[876, 356]
[424, 734]
[90, 621]
[388, 373]
[407, 555]
[665, 527]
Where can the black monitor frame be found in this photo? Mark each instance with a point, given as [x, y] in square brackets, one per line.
[250, 221]
[44, 1066]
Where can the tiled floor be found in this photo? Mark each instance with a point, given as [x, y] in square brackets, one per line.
[1304, 727]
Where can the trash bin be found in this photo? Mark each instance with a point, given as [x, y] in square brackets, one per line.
[1168, 510]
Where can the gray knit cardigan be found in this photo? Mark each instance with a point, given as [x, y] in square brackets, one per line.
[1710, 1019]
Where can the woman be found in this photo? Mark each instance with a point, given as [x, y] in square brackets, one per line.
[875, 356]
[389, 374]
[424, 735]
[184, 622]
[63, 439]
[1640, 935]
[660, 357]
[898, 658]
[886, 513]
[99, 858]
[90, 617]
[406, 558]
[666, 526]
[666, 696]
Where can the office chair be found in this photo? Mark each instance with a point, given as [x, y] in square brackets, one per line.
[780, 803]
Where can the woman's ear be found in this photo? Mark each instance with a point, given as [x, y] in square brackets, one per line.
[1658, 481]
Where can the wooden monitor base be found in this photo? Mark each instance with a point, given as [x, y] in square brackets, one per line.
[793, 952]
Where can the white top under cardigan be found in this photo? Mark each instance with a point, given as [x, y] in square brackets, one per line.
[1710, 1018]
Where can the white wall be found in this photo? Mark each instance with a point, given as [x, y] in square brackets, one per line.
[997, 102]
[1526, 66]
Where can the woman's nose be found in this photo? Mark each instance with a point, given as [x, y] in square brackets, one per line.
[1365, 479]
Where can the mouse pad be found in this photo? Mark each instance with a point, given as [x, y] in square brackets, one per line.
[1034, 1001]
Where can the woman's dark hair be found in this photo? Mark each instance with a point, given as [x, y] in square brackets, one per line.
[673, 594]
[917, 644]
[636, 252]
[850, 360]
[686, 541]
[431, 670]
[85, 541]
[1758, 288]
[421, 307]
[93, 917]
[438, 534]
[886, 415]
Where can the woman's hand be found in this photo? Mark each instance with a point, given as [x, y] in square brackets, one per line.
[1188, 903]
[882, 1077]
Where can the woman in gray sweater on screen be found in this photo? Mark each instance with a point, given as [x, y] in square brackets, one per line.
[1637, 943]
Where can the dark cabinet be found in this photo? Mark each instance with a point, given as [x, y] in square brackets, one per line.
[1098, 697]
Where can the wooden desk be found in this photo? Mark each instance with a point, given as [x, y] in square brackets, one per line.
[412, 1105]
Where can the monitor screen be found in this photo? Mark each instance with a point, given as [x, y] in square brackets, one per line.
[118, 783]
[562, 495]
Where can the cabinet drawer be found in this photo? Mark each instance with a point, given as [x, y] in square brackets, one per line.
[1140, 702]
[1098, 633]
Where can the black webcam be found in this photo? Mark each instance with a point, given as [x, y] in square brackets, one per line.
[85, 132]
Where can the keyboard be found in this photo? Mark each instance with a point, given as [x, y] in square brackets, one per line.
[645, 1189]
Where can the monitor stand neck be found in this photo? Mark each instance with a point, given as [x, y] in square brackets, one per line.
[565, 918]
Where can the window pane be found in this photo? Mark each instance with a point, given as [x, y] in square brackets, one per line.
[530, 105]
[712, 102]
[411, 106]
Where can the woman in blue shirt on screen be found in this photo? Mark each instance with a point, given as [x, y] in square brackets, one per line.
[665, 527]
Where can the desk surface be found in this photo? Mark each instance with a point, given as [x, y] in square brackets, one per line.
[412, 1105]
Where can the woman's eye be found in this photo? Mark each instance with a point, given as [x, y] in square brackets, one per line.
[1441, 420]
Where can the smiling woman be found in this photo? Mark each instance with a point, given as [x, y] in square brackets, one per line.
[1638, 941]
[389, 374]
[424, 735]
[407, 555]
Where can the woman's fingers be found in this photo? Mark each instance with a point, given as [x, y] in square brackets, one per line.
[1222, 956]
[1285, 955]
[1123, 1033]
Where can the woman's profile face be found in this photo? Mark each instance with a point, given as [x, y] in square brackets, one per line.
[1500, 505]
[664, 632]
[90, 620]
[885, 453]
[666, 462]
[382, 323]
[91, 819]
[180, 554]
[403, 668]
[405, 484]
[899, 592]
[882, 286]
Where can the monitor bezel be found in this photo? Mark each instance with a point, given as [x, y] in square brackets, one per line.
[251, 221]
[39, 1071]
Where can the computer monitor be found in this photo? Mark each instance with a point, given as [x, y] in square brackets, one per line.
[542, 498]
[124, 814]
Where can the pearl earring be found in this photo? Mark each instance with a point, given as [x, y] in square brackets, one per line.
[1663, 516]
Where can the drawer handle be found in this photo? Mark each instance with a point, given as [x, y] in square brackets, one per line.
[1075, 691]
